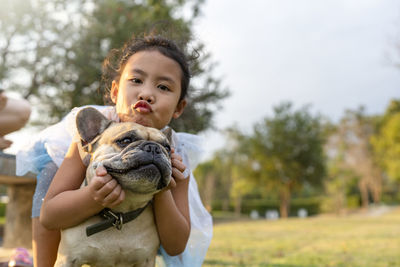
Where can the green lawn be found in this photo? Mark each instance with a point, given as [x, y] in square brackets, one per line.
[357, 240]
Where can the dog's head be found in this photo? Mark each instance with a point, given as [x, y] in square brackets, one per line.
[137, 157]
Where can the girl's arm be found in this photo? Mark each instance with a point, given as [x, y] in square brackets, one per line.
[171, 210]
[66, 204]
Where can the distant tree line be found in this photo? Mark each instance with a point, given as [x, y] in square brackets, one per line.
[343, 165]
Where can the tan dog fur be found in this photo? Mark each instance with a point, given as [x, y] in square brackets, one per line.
[136, 244]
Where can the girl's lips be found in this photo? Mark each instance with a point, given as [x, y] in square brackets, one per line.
[142, 107]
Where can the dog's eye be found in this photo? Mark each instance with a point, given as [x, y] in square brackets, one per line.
[168, 148]
[124, 141]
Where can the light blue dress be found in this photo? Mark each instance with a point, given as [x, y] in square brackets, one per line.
[45, 153]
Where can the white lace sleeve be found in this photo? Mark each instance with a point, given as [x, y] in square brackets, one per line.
[189, 148]
[52, 143]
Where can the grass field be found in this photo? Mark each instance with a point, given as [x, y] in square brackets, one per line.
[362, 239]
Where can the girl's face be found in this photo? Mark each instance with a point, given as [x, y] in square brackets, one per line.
[149, 89]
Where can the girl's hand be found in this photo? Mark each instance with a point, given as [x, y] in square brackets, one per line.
[177, 169]
[105, 190]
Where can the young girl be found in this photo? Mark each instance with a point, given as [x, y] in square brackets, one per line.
[148, 86]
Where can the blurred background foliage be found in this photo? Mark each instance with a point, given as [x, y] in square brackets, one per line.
[51, 52]
[295, 160]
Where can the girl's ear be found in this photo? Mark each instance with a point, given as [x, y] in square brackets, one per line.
[114, 92]
[179, 108]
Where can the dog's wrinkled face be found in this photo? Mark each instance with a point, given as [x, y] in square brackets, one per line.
[137, 157]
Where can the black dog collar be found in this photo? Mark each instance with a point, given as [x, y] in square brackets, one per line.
[116, 219]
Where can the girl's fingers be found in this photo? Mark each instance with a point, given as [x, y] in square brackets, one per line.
[177, 174]
[100, 195]
[113, 197]
[176, 156]
[178, 165]
[100, 170]
[172, 184]
[98, 182]
[108, 188]
[120, 198]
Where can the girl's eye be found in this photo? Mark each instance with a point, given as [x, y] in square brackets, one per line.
[124, 141]
[136, 80]
[163, 87]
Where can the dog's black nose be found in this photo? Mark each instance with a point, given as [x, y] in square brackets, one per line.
[151, 148]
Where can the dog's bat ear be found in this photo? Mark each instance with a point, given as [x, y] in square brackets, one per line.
[90, 123]
[168, 133]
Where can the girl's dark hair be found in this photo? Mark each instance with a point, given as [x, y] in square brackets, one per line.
[116, 60]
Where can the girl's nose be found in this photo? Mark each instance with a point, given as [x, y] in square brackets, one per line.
[149, 99]
[146, 95]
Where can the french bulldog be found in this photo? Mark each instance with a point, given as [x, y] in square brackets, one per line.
[138, 158]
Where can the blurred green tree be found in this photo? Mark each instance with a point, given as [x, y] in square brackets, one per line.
[351, 144]
[242, 167]
[386, 142]
[52, 51]
[287, 152]
[338, 184]
[282, 155]
[214, 180]
[226, 177]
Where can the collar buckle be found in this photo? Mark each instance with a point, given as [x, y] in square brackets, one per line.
[117, 217]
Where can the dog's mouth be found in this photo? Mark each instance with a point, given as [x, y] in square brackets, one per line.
[152, 173]
[111, 170]
[134, 167]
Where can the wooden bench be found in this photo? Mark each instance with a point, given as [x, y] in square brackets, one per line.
[20, 190]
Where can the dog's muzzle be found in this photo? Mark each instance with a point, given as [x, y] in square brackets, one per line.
[146, 163]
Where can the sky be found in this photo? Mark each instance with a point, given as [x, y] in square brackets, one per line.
[333, 55]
